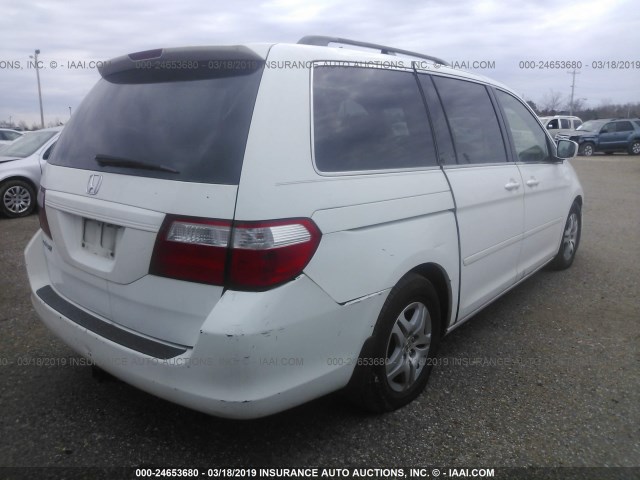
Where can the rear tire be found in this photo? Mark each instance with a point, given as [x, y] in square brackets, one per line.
[570, 240]
[634, 148]
[395, 367]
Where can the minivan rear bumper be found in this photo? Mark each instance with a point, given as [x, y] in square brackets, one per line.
[257, 353]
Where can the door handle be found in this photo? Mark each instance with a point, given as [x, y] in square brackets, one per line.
[512, 185]
[532, 182]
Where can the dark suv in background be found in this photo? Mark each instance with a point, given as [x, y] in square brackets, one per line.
[608, 136]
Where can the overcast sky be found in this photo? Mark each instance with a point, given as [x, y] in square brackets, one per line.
[502, 32]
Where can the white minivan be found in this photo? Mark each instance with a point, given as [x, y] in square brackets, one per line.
[241, 229]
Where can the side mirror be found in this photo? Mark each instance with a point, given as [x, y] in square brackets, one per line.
[567, 149]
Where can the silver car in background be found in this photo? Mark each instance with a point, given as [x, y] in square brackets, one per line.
[21, 164]
[560, 124]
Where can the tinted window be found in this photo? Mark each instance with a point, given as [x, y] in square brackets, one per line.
[564, 123]
[473, 121]
[608, 128]
[11, 135]
[196, 127]
[369, 119]
[446, 153]
[553, 124]
[624, 127]
[3, 136]
[529, 140]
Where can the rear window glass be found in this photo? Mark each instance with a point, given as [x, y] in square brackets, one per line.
[369, 119]
[187, 130]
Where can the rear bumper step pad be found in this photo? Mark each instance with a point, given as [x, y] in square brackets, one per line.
[107, 330]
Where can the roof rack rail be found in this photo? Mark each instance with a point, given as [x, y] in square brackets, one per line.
[323, 41]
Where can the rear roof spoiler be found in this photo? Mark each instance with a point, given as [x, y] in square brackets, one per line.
[159, 60]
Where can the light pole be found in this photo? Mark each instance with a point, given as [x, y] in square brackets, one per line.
[37, 52]
[573, 86]
[69, 112]
[10, 122]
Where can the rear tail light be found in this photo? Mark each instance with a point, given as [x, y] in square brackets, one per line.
[42, 213]
[242, 255]
[191, 249]
[269, 253]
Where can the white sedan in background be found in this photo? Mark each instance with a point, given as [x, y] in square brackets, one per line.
[7, 136]
[21, 164]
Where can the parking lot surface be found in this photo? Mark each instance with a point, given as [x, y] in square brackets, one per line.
[549, 375]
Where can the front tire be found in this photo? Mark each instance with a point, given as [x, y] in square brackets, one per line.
[587, 149]
[570, 239]
[17, 198]
[395, 368]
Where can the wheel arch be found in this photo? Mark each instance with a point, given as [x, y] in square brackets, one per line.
[439, 279]
[22, 179]
[578, 200]
[441, 282]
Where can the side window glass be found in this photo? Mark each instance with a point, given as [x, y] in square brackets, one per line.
[446, 152]
[576, 124]
[3, 136]
[529, 139]
[553, 124]
[369, 119]
[473, 122]
[564, 123]
[624, 127]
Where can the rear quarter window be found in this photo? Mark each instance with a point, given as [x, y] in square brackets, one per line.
[624, 127]
[369, 119]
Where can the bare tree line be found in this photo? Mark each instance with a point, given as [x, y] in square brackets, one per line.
[555, 103]
[22, 125]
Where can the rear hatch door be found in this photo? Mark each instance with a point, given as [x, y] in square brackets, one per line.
[162, 133]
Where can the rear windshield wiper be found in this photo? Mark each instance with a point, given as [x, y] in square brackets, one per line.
[108, 160]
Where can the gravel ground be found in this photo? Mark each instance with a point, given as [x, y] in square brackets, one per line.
[547, 376]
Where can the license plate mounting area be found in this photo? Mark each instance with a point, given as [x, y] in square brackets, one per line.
[99, 238]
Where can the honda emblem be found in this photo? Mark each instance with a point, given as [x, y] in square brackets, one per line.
[94, 184]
